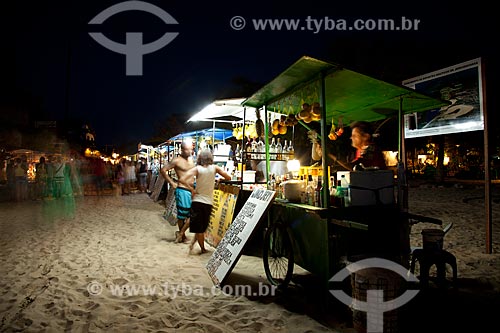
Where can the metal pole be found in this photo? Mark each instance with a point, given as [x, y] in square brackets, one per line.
[326, 179]
[487, 179]
[268, 159]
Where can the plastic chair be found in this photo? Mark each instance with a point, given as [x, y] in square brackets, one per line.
[433, 254]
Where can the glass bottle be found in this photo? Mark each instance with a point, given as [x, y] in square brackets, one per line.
[291, 151]
[319, 189]
[262, 149]
[279, 150]
[285, 152]
[272, 150]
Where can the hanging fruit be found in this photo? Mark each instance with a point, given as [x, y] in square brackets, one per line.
[340, 130]
[259, 125]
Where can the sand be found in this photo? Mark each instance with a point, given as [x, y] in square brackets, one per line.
[61, 259]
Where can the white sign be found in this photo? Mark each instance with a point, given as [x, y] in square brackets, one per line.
[461, 85]
[229, 249]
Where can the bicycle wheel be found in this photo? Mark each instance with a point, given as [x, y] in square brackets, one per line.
[278, 255]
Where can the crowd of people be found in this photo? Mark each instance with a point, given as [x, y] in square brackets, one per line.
[56, 176]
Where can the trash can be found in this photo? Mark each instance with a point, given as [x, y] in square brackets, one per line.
[379, 279]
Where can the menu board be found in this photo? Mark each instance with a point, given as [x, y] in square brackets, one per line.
[229, 249]
[222, 213]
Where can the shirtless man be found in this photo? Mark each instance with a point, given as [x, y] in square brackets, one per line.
[181, 165]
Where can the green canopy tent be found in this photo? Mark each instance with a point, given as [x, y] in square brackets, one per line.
[341, 93]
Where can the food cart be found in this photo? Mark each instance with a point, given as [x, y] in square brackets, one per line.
[321, 238]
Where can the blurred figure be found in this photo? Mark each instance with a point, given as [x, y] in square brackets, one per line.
[41, 177]
[143, 174]
[20, 172]
[11, 178]
[58, 180]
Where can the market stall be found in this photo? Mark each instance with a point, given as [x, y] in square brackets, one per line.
[320, 233]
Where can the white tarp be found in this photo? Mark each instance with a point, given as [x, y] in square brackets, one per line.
[226, 108]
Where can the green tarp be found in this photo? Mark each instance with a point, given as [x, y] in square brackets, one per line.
[348, 94]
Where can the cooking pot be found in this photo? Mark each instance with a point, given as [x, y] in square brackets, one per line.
[292, 189]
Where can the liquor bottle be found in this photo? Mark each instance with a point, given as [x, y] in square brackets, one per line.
[333, 190]
[310, 191]
[318, 191]
[262, 149]
[279, 150]
[272, 150]
[254, 150]
[291, 151]
[237, 153]
[285, 152]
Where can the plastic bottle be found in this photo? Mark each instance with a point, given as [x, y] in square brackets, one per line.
[345, 190]
[339, 195]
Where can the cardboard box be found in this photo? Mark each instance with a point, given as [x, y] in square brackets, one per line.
[366, 186]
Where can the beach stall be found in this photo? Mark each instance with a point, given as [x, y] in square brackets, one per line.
[305, 226]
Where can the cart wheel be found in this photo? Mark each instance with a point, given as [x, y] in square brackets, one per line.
[278, 255]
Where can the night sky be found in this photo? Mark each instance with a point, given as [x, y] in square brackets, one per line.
[47, 53]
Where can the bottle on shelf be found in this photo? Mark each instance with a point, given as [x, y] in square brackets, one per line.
[332, 190]
[310, 191]
[261, 148]
[318, 191]
[279, 150]
[339, 195]
[291, 151]
[272, 150]
[345, 190]
[285, 152]
[237, 153]
[253, 149]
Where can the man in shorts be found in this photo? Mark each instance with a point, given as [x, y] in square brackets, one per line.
[181, 164]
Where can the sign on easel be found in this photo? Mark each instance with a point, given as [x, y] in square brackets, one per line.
[222, 213]
[160, 181]
[229, 249]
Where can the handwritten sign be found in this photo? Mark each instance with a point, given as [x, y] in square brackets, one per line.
[222, 213]
[229, 249]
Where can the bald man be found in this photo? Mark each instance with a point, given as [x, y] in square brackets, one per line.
[181, 165]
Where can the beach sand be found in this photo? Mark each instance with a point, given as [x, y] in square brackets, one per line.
[65, 262]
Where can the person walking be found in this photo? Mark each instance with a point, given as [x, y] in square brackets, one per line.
[203, 195]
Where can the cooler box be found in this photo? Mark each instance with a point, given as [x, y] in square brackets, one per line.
[371, 187]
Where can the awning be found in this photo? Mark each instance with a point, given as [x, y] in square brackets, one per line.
[348, 94]
[226, 110]
[218, 134]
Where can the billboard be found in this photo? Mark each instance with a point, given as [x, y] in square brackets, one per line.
[461, 85]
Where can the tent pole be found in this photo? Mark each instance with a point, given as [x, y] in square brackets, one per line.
[404, 228]
[487, 176]
[266, 138]
[325, 200]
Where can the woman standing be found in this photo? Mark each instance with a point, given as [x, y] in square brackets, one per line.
[202, 195]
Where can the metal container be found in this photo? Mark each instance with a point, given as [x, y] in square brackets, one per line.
[292, 189]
